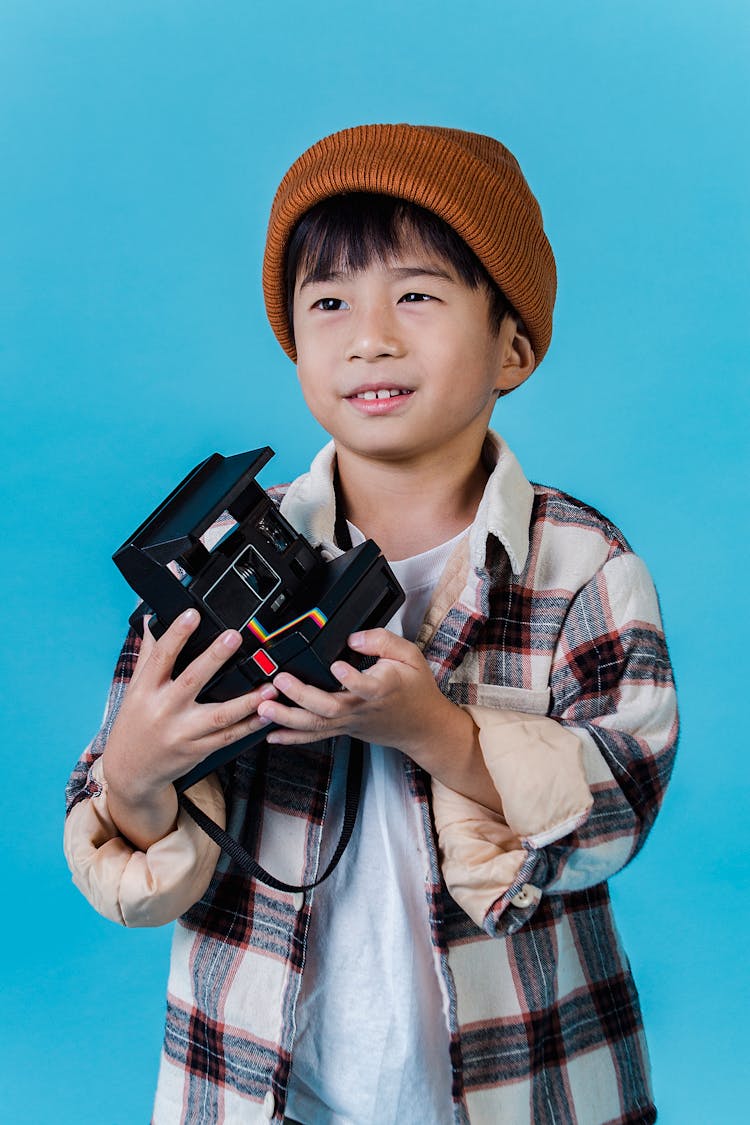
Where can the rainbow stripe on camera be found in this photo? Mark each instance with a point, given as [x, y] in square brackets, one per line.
[258, 631]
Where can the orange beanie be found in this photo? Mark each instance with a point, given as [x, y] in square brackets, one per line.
[471, 181]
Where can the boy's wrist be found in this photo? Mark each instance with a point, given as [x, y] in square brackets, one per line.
[127, 785]
[450, 752]
[142, 817]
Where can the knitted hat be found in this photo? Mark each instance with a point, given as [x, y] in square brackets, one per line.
[471, 181]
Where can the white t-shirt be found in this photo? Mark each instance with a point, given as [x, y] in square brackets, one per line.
[372, 1041]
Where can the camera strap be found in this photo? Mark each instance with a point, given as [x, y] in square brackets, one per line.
[243, 858]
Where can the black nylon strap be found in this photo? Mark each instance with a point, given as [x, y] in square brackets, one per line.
[344, 540]
[341, 527]
[243, 858]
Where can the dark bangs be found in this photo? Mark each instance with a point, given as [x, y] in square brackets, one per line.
[348, 233]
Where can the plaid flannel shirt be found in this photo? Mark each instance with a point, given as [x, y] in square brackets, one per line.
[553, 616]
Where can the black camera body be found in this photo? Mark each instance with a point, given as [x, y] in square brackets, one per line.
[293, 607]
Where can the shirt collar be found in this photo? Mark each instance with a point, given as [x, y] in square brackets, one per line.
[504, 510]
[310, 501]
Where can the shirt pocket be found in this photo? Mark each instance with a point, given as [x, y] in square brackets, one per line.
[504, 698]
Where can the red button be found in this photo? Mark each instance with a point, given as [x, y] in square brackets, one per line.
[264, 662]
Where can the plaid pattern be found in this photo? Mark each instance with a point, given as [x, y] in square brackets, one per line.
[557, 616]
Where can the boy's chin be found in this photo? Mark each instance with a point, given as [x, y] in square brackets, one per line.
[383, 449]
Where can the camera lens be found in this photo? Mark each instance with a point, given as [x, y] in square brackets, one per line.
[256, 573]
[248, 574]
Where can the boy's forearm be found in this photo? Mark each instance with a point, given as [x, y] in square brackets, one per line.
[144, 820]
[451, 753]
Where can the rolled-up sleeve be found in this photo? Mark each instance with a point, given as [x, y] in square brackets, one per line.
[131, 887]
[580, 788]
[137, 888]
[537, 769]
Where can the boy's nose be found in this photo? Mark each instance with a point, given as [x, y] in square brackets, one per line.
[374, 335]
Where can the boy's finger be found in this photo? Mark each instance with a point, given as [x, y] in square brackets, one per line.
[356, 682]
[313, 699]
[164, 652]
[294, 718]
[221, 716]
[194, 678]
[297, 738]
[227, 735]
[383, 643]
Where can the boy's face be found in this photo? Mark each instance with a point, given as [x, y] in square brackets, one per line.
[398, 361]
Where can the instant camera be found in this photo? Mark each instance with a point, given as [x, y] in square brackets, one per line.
[293, 607]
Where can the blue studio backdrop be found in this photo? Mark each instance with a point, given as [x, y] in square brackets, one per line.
[141, 144]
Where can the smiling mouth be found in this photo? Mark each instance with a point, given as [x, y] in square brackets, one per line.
[370, 396]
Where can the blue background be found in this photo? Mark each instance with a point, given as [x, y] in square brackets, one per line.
[141, 144]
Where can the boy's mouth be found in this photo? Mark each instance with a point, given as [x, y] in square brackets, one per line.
[385, 392]
[379, 399]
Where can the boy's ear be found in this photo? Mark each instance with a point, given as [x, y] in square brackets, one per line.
[517, 359]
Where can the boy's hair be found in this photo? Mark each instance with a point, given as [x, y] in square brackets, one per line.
[469, 181]
[355, 230]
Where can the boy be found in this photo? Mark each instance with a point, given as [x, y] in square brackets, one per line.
[461, 963]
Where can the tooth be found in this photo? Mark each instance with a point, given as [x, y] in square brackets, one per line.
[369, 395]
[384, 394]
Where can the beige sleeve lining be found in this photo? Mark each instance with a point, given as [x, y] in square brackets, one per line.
[536, 766]
[479, 854]
[136, 888]
[448, 589]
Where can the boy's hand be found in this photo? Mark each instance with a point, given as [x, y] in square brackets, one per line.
[397, 703]
[161, 732]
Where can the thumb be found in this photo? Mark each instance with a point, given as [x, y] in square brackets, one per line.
[384, 644]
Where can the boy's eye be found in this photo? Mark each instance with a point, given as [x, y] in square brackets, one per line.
[330, 304]
[413, 298]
